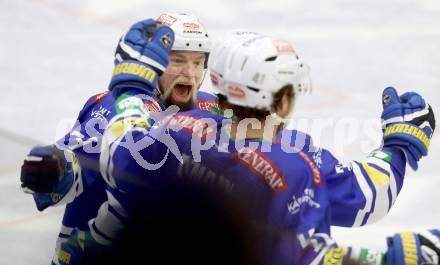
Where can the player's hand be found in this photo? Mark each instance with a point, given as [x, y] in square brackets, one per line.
[148, 42]
[42, 168]
[408, 123]
[80, 248]
[414, 248]
[141, 57]
[70, 252]
[409, 107]
[46, 175]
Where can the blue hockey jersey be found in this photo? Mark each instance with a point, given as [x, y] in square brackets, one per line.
[87, 193]
[362, 191]
[358, 193]
[277, 189]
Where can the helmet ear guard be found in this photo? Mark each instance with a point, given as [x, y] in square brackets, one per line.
[296, 73]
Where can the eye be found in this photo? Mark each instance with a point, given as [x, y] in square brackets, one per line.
[198, 63]
[179, 61]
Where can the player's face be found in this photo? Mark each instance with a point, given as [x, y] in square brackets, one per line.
[182, 78]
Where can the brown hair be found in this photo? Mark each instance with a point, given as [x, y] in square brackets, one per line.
[241, 112]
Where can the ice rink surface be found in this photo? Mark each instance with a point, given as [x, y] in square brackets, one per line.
[55, 54]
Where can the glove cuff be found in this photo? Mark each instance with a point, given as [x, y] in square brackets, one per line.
[135, 73]
[408, 131]
[403, 248]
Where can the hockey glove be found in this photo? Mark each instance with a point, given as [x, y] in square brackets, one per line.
[80, 248]
[46, 175]
[413, 248]
[408, 123]
[141, 56]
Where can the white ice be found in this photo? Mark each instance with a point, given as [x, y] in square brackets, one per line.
[55, 54]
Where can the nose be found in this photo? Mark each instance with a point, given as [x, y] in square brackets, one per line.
[188, 69]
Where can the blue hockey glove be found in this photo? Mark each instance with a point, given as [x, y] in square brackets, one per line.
[413, 248]
[79, 249]
[141, 56]
[46, 175]
[408, 123]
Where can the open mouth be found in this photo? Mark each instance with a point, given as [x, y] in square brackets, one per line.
[182, 92]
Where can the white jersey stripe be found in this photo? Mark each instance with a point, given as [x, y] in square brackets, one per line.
[107, 223]
[366, 190]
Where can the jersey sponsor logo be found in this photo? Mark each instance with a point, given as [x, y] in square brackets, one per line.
[340, 168]
[283, 46]
[124, 103]
[152, 106]
[263, 167]
[193, 125]
[236, 91]
[207, 104]
[191, 25]
[315, 171]
[335, 256]
[166, 19]
[382, 155]
[99, 97]
[317, 157]
[367, 256]
[100, 114]
[307, 198]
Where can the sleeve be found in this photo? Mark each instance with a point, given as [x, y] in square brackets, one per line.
[314, 243]
[135, 148]
[352, 255]
[306, 219]
[111, 219]
[362, 192]
[131, 178]
[74, 137]
[317, 247]
[321, 249]
[71, 184]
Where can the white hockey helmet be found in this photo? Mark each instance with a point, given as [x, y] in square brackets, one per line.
[249, 68]
[190, 34]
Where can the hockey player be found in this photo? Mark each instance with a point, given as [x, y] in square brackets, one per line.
[282, 189]
[57, 176]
